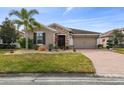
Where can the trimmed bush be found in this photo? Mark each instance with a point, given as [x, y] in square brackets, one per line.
[42, 48]
[51, 47]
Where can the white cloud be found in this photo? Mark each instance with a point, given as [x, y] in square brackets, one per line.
[68, 9]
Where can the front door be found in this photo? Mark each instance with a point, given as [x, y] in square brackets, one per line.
[61, 41]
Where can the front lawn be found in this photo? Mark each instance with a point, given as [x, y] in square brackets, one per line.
[119, 50]
[41, 62]
[2, 51]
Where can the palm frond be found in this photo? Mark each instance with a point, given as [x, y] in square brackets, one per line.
[33, 12]
[18, 22]
[15, 13]
[24, 13]
[25, 19]
[36, 24]
[30, 27]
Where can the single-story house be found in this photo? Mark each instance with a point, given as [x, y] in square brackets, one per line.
[62, 37]
[107, 35]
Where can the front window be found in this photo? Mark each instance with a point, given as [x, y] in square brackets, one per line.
[40, 38]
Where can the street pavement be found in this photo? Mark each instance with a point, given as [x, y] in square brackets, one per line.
[51, 80]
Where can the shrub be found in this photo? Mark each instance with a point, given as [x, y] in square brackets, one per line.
[109, 43]
[1, 46]
[107, 47]
[67, 47]
[36, 47]
[42, 48]
[50, 47]
[22, 43]
[56, 47]
[74, 49]
[121, 45]
[12, 46]
[6, 46]
[100, 46]
[30, 43]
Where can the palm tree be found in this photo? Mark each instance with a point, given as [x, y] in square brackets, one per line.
[25, 19]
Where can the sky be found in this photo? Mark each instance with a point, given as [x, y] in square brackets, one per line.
[98, 19]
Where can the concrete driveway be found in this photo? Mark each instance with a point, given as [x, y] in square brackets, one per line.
[105, 62]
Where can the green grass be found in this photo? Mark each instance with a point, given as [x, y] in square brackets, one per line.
[119, 50]
[39, 62]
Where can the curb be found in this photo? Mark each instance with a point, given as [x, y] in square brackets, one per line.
[47, 74]
[111, 75]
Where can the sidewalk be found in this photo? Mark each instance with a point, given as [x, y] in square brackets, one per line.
[51, 80]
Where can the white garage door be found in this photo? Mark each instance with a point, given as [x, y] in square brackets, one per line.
[85, 42]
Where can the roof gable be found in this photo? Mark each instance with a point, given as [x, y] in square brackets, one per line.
[54, 25]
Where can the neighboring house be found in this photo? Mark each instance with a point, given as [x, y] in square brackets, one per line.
[107, 35]
[64, 37]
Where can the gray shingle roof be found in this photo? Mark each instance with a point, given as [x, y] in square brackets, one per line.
[73, 30]
[79, 31]
[110, 32]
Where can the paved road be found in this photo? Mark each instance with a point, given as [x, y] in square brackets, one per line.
[26, 80]
[106, 62]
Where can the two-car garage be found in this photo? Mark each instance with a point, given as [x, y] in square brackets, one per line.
[84, 41]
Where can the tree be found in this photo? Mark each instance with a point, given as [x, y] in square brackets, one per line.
[117, 37]
[8, 32]
[109, 43]
[25, 19]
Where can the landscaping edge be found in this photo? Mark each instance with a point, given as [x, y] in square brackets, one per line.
[47, 74]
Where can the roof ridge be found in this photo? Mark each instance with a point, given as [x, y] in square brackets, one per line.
[108, 33]
[59, 26]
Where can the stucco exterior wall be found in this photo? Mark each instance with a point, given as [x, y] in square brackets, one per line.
[103, 41]
[49, 36]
